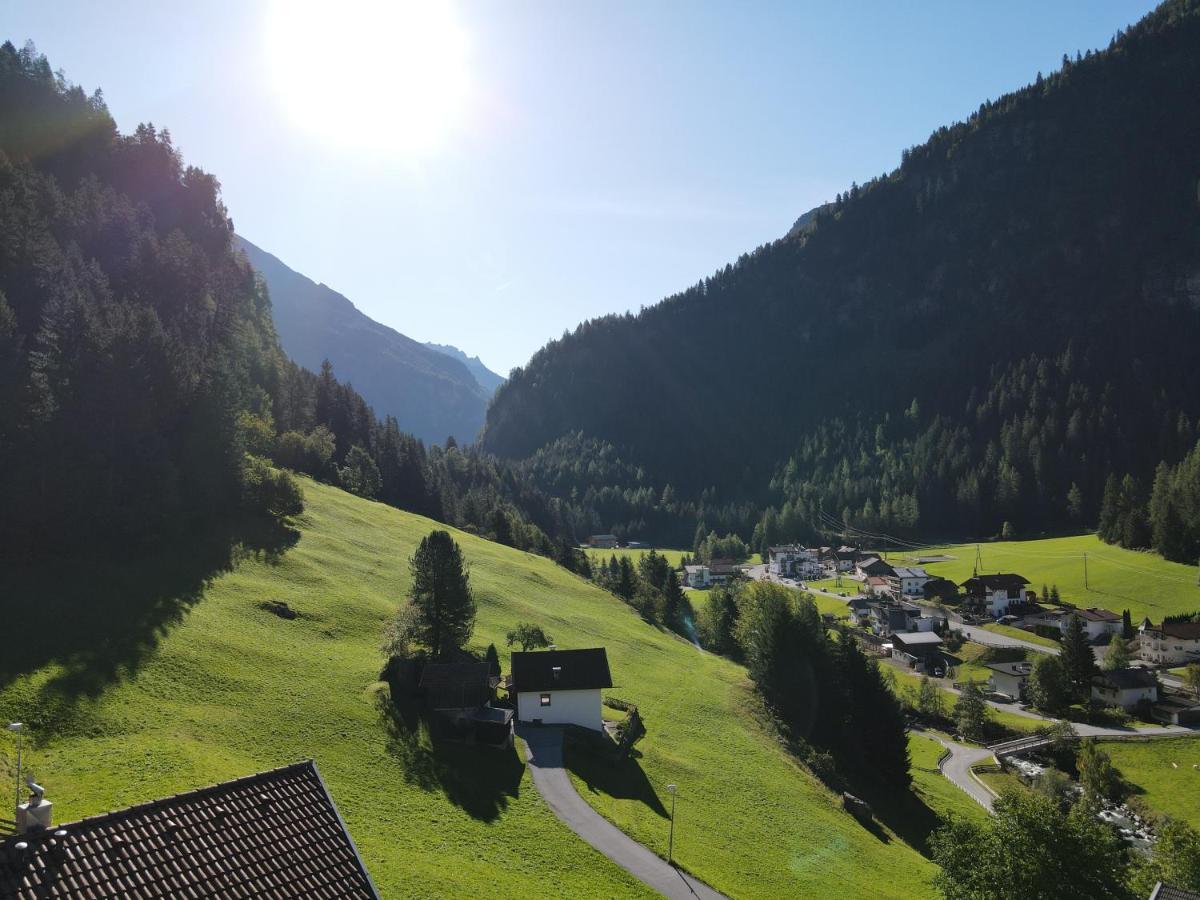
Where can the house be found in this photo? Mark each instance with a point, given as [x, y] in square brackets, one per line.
[603, 542]
[845, 558]
[1098, 624]
[919, 648]
[721, 570]
[273, 834]
[860, 609]
[888, 618]
[1170, 892]
[697, 576]
[794, 561]
[1010, 678]
[1125, 688]
[560, 687]
[1176, 708]
[878, 585]
[992, 594]
[1170, 644]
[872, 565]
[906, 581]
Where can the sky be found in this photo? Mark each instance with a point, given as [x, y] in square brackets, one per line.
[490, 174]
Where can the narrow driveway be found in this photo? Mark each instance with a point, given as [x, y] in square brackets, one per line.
[957, 768]
[545, 754]
[992, 639]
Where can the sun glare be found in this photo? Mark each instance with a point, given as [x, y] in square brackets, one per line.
[383, 76]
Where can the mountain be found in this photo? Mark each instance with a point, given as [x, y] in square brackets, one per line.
[431, 394]
[966, 345]
[487, 379]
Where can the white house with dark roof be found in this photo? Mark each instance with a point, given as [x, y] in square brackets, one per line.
[1172, 644]
[908, 581]
[697, 576]
[1097, 623]
[560, 687]
[1125, 688]
[794, 561]
[994, 594]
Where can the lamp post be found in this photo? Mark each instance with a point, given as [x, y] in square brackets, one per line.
[671, 838]
[18, 729]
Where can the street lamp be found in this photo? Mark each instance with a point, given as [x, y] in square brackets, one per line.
[671, 839]
[18, 728]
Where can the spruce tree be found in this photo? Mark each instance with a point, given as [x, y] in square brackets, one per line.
[1079, 659]
[441, 595]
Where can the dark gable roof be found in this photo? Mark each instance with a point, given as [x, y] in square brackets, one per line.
[1185, 631]
[578, 670]
[1126, 679]
[274, 834]
[996, 582]
[1096, 614]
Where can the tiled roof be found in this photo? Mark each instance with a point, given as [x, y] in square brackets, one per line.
[275, 834]
[1169, 892]
[577, 670]
[1126, 679]
[999, 581]
[1096, 614]
[1187, 631]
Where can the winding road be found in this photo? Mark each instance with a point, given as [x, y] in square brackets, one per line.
[544, 750]
[957, 768]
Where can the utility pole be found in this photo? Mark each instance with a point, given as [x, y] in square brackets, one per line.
[671, 838]
[17, 728]
[1085, 581]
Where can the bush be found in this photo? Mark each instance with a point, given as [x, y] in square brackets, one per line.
[268, 490]
[617, 703]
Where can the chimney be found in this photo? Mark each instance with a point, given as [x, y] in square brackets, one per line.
[557, 670]
[35, 813]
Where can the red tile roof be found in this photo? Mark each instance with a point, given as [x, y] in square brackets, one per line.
[275, 834]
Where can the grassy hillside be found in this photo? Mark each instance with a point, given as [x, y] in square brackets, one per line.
[1165, 771]
[229, 688]
[1143, 583]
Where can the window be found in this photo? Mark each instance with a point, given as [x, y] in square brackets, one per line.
[545, 700]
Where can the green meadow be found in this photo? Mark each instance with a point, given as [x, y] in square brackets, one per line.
[175, 683]
[1165, 773]
[1117, 579]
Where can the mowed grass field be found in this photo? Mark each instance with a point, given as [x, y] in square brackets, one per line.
[1167, 770]
[231, 688]
[674, 557]
[1143, 583]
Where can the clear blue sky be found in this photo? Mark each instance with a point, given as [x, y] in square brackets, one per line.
[602, 155]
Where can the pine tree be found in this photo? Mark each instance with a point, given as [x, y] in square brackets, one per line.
[1079, 659]
[1126, 625]
[441, 595]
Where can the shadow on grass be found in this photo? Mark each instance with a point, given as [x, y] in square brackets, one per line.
[480, 780]
[902, 811]
[623, 780]
[99, 620]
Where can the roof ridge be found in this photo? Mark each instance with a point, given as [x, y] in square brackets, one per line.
[149, 805]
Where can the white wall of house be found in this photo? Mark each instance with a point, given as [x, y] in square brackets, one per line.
[1156, 647]
[1008, 684]
[1127, 698]
[1092, 629]
[566, 708]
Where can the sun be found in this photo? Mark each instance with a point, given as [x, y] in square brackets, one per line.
[382, 76]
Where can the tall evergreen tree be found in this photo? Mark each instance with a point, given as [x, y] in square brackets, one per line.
[1079, 660]
[441, 595]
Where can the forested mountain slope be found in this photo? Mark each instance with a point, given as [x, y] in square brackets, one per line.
[977, 338]
[431, 394]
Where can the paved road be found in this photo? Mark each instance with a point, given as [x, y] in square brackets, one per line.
[992, 639]
[957, 768]
[544, 751]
